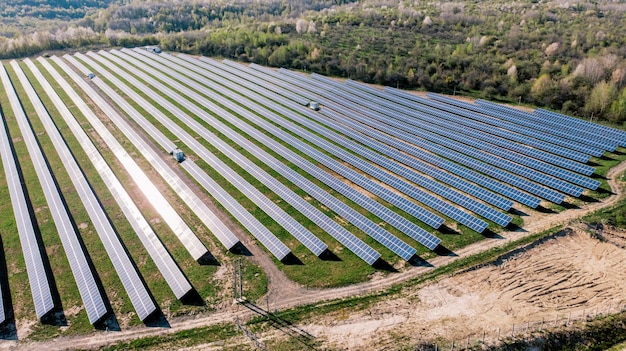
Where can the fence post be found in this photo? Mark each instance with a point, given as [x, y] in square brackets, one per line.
[568, 318]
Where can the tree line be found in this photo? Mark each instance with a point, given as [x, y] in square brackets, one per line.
[566, 57]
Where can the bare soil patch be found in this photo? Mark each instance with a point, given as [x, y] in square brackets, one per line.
[566, 274]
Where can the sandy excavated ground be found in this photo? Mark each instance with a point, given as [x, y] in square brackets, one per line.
[569, 274]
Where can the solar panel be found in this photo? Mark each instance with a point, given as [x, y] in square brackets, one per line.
[529, 120]
[85, 280]
[189, 240]
[421, 196]
[296, 229]
[427, 183]
[612, 134]
[354, 217]
[247, 220]
[335, 230]
[477, 178]
[447, 178]
[164, 262]
[469, 162]
[136, 290]
[461, 125]
[449, 142]
[37, 278]
[494, 121]
[428, 124]
[514, 180]
[412, 230]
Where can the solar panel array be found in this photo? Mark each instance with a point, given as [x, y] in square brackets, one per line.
[429, 184]
[90, 294]
[37, 277]
[460, 125]
[338, 232]
[530, 121]
[125, 268]
[194, 246]
[293, 80]
[360, 248]
[450, 143]
[296, 229]
[374, 123]
[594, 129]
[381, 211]
[390, 154]
[165, 263]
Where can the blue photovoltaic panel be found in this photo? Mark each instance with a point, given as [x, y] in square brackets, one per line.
[471, 113]
[425, 198]
[428, 124]
[163, 260]
[495, 121]
[186, 236]
[451, 154]
[256, 228]
[548, 125]
[457, 157]
[37, 278]
[382, 113]
[86, 282]
[409, 228]
[375, 188]
[311, 212]
[309, 240]
[458, 124]
[530, 121]
[480, 193]
[387, 239]
[477, 178]
[349, 240]
[133, 284]
[612, 134]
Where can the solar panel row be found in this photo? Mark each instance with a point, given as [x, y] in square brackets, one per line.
[409, 174]
[429, 125]
[163, 260]
[37, 278]
[499, 122]
[546, 124]
[369, 227]
[303, 235]
[615, 135]
[133, 285]
[471, 115]
[451, 154]
[464, 126]
[256, 228]
[194, 246]
[85, 280]
[338, 232]
[530, 121]
[451, 144]
[293, 79]
[384, 213]
[399, 184]
[417, 194]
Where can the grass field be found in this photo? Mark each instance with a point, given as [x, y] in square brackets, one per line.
[212, 282]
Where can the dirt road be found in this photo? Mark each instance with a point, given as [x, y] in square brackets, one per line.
[296, 295]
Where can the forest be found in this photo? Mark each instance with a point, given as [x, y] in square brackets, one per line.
[566, 56]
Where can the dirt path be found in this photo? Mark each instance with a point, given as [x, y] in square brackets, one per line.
[296, 295]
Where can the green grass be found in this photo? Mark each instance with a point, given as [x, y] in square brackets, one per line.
[182, 339]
